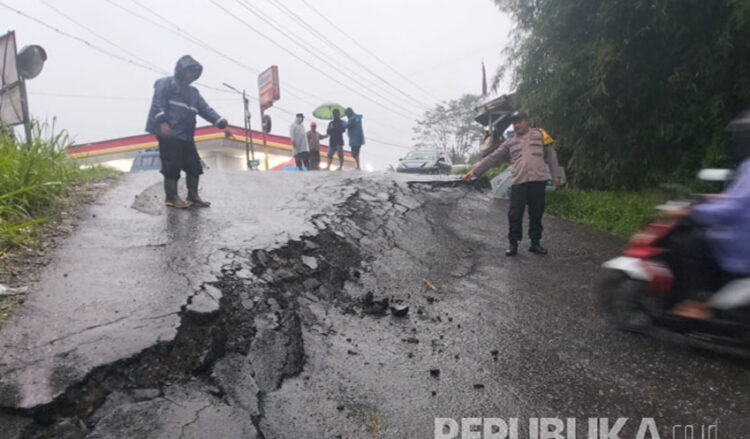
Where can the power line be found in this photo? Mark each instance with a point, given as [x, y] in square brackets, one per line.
[105, 98]
[188, 36]
[312, 66]
[390, 144]
[184, 34]
[134, 55]
[284, 9]
[97, 48]
[451, 60]
[345, 74]
[289, 13]
[112, 55]
[69, 35]
[335, 26]
[179, 32]
[93, 97]
[294, 38]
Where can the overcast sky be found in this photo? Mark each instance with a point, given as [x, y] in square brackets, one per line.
[437, 45]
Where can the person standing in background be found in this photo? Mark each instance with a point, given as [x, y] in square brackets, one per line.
[300, 148]
[313, 141]
[355, 132]
[336, 130]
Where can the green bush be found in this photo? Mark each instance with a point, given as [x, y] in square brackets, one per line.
[620, 213]
[34, 179]
[635, 92]
[460, 170]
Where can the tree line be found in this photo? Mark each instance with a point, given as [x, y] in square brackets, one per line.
[636, 92]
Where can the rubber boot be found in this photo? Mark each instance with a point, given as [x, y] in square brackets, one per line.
[173, 199]
[512, 249]
[537, 248]
[193, 198]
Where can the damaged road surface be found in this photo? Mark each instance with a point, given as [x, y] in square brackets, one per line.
[321, 305]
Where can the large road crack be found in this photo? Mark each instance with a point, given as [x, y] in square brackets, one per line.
[257, 321]
[86, 329]
[195, 419]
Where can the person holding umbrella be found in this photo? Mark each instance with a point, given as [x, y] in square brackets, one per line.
[336, 130]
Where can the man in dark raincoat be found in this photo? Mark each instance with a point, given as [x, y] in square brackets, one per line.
[172, 119]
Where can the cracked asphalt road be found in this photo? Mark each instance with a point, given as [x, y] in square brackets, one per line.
[246, 320]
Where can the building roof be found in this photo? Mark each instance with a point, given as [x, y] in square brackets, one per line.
[495, 111]
[148, 141]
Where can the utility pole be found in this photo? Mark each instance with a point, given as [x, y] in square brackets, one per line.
[265, 145]
[249, 146]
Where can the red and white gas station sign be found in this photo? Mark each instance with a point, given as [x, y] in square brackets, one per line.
[268, 87]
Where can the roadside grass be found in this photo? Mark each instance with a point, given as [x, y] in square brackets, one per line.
[620, 213]
[489, 175]
[34, 180]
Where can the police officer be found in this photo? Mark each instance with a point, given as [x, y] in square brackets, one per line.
[532, 160]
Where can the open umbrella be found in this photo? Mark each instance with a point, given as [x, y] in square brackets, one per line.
[325, 111]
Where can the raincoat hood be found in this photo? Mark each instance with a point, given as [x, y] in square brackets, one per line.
[177, 104]
[185, 63]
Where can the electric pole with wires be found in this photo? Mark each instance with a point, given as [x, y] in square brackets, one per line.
[252, 164]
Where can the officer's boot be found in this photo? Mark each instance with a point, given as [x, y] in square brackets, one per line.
[537, 248]
[512, 249]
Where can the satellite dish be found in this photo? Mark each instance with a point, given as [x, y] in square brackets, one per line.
[266, 123]
[30, 61]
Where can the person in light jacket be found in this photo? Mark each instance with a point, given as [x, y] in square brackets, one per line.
[719, 251]
[313, 141]
[299, 143]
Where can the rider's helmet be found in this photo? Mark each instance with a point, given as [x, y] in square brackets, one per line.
[739, 132]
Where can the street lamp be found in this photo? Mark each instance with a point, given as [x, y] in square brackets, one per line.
[29, 63]
[249, 147]
[15, 69]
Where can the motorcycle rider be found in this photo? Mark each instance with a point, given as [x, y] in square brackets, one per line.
[724, 252]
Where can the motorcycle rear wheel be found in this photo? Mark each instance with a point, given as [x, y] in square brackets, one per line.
[621, 299]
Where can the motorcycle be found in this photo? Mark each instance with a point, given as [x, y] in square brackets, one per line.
[640, 288]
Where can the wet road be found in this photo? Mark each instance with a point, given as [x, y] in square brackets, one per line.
[246, 320]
